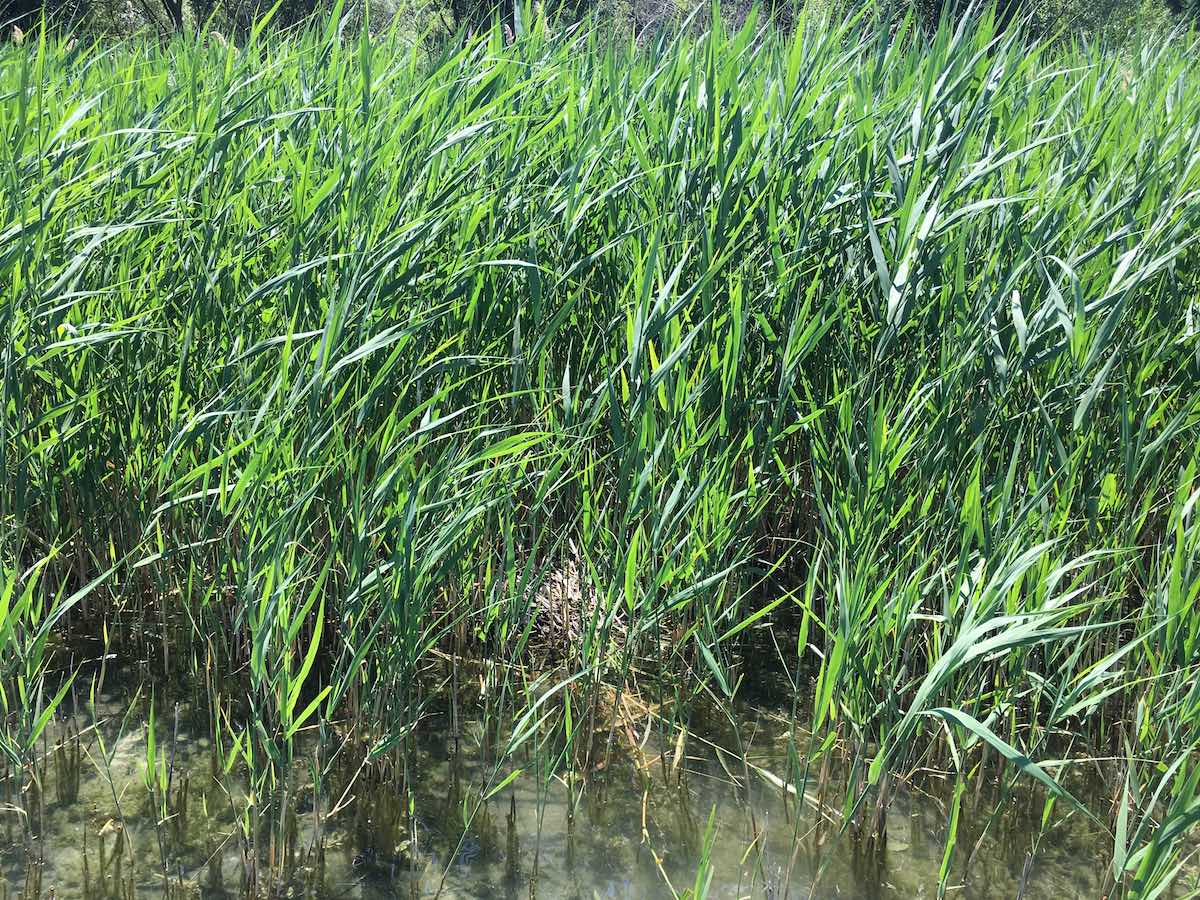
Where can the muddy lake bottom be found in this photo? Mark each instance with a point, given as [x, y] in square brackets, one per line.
[638, 826]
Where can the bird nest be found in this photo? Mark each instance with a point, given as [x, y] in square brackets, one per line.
[566, 607]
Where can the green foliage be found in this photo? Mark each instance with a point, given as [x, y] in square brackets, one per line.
[346, 356]
[1116, 21]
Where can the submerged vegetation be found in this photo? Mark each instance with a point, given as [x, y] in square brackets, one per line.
[564, 394]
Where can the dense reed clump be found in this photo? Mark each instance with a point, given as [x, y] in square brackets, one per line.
[332, 368]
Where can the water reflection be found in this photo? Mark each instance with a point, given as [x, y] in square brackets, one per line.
[636, 829]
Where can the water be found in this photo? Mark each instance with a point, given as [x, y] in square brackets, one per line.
[636, 829]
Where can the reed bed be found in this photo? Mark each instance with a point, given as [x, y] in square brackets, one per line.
[590, 377]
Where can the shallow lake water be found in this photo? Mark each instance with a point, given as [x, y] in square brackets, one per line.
[638, 828]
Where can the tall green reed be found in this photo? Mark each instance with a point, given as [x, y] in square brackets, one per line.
[334, 355]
